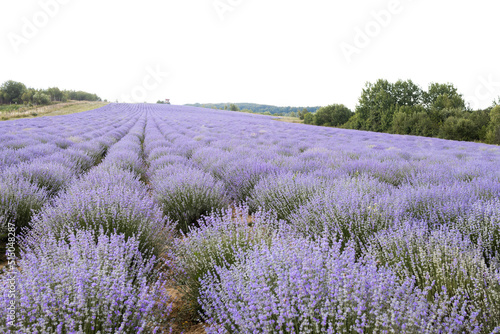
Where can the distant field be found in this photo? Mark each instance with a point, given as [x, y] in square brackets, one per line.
[8, 112]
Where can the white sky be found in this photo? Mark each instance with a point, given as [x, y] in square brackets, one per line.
[281, 52]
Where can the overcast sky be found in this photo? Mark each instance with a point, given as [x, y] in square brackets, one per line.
[280, 52]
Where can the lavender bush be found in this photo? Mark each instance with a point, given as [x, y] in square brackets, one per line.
[482, 226]
[283, 193]
[19, 200]
[84, 287]
[52, 177]
[446, 262]
[186, 193]
[299, 286]
[215, 243]
[112, 199]
[348, 210]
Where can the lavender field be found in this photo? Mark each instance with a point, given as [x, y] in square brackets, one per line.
[259, 226]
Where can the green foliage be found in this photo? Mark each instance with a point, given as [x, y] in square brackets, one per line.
[82, 96]
[380, 101]
[457, 129]
[443, 260]
[442, 96]
[493, 134]
[308, 118]
[416, 122]
[41, 98]
[55, 94]
[332, 115]
[11, 92]
[16, 92]
[302, 113]
[233, 107]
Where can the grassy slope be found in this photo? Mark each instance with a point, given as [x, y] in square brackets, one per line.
[53, 110]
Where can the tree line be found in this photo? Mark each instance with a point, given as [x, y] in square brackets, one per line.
[404, 108]
[257, 108]
[13, 92]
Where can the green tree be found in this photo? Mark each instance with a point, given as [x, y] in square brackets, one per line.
[302, 113]
[332, 115]
[55, 93]
[379, 102]
[41, 98]
[456, 128]
[12, 91]
[233, 107]
[309, 118]
[443, 96]
[493, 134]
[27, 96]
[496, 102]
[414, 121]
[407, 93]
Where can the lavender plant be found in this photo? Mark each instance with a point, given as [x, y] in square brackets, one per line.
[186, 193]
[52, 177]
[19, 200]
[300, 286]
[81, 286]
[114, 200]
[215, 243]
[350, 209]
[446, 262]
[283, 193]
[482, 227]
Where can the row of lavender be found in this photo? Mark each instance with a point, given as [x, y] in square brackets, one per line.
[89, 260]
[350, 231]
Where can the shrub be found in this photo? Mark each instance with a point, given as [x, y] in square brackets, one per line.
[348, 210]
[300, 286]
[241, 174]
[443, 260]
[164, 161]
[482, 226]
[283, 193]
[83, 286]
[443, 203]
[113, 200]
[126, 160]
[216, 243]
[52, 177]
[186, 193]
[19, 200]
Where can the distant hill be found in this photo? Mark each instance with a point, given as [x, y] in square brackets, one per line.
[257, 108]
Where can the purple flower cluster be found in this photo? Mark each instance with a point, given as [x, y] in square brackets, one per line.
[300, 286]
[446, 262]
[349, 209]
[83, 286]
[112, 199]
[283, 193]
[18, 200]
[184, 191]
[46, 157]
[217, 242]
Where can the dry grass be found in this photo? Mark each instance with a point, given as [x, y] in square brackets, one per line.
[288, 119]
[52, 110]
